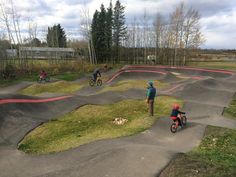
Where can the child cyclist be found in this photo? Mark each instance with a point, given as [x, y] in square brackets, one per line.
[43, 75]
[176, 114]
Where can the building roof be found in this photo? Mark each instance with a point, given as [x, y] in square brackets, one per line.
[47, 49]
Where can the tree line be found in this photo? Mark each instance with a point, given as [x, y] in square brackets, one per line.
[111, 39]
[165, 41]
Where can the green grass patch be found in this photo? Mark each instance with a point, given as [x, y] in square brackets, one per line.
[230, 111]
[6, 83]
[214, 65]
[130, 84]
[68, 76]
[55, 87]
[215, 157]
[9, 82]
[90, 123]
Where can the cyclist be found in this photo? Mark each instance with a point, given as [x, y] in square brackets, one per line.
[96, 74]
[176, 114]
[42, 75]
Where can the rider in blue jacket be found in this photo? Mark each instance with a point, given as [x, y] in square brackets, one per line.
[96, 73]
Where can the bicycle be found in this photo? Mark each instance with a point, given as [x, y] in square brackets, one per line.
[45, 79]
[174, 126]
[92, 82]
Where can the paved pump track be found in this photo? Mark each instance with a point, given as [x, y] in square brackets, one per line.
[205, 92]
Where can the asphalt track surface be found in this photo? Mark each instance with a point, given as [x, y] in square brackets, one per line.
[205, 92]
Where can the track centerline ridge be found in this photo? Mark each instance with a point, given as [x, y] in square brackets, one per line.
[5, 101]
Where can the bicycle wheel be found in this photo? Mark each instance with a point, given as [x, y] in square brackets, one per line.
[47, 79]
[184, 120]
[99, 82]
[173, 128]
[91, 82]
[39, 80]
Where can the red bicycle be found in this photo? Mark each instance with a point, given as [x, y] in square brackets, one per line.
[174, 126]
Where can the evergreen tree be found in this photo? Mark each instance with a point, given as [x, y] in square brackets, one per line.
[108, 31]
[94, 32]
[56, 36]
[119, 28]
[99, 34]
[102, 47]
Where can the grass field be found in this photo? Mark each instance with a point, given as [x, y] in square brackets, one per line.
[68, 71]
[215, 157]
[90, 123]
[67, 76]
[214, 65]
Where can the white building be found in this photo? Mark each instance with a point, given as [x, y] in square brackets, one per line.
[46, 53]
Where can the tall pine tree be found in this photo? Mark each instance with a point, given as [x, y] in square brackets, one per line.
[119, 28]
[108, 31]
[94, 31]
[98, 34]
[102, 47]
[56, 36]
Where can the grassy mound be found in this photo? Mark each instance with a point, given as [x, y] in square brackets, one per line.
[215, 157]
[55, 87]
[90, 123]
[130, 84]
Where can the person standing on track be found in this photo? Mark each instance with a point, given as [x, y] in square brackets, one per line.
[151, 94]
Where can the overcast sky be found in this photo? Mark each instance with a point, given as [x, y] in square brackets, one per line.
[218, 16]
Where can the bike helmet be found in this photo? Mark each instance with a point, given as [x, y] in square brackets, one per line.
[150, 83]
[176, 106]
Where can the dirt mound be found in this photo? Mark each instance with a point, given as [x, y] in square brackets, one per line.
[217, 84]
[135, 76]
[196, 93]
[201, 109]
[171, 78]
[16, 119]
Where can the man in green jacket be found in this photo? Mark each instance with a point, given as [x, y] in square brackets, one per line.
[151, 93]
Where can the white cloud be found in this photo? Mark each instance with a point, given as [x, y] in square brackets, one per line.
[218, 17]
[220, 30]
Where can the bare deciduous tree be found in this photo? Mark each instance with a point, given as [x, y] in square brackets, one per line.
[183, 32]
[5, 18]
[85, 26]
[15, 22]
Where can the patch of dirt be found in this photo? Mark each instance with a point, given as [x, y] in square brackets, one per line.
[119, 121]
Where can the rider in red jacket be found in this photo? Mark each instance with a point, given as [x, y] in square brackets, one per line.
[42, 75]
[176, 114]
